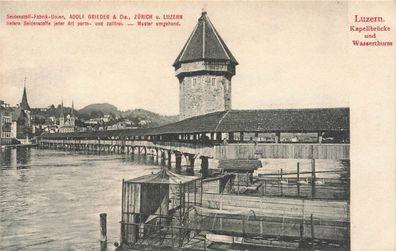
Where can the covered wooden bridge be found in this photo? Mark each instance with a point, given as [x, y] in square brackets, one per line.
[234, 134]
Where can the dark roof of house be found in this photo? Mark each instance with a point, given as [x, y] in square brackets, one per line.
[292, 120]
[204, 43]
[24, 103]
[240, 165]
[19, 115]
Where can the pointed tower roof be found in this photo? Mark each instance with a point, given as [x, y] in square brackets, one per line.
[72, 110]
[61, 112]
[204, 43]
[24, 103]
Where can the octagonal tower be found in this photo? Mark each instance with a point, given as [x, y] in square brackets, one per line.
[204, 68]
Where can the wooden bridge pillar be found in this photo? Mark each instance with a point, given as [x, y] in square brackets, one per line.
[169, 158]
[144, 150]
[162, 158]
[178, 156]
[190, 164]
[204, 166]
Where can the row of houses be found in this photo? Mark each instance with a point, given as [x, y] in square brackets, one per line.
[15, 122]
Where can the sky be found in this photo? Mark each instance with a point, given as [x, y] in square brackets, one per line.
[291, 55]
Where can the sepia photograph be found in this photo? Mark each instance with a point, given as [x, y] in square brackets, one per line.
[196, 125]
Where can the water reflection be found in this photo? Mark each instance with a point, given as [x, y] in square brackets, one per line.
[15, 157]
[51, 200]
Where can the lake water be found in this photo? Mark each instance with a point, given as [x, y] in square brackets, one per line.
[51, 200]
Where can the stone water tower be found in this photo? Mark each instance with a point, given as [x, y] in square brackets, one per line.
[204, 68]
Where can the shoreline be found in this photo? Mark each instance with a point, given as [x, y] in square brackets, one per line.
[18, 145]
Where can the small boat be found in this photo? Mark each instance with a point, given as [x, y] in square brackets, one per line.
[303, 182]
[285, 181]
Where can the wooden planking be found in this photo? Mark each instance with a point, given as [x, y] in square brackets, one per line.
[326, 210]
[272, 228]
[282, 151]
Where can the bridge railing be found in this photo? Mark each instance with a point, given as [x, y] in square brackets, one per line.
[233, 150]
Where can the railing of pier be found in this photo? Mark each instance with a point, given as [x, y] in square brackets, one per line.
[207, 226]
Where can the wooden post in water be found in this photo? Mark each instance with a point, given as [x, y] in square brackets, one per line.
[204, 167]
[281, 179]
[312, 231]
[243, 227]
[313, 178]
[191, 160]
[233, 240]
[122, 211]
[301, 233]
[103, 228]
[298, 179]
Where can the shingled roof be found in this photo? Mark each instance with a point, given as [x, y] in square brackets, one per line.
[204, 43]
[286, 120]
[276, 120]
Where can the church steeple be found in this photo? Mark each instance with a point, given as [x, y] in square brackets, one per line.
[24, 103]
[61, 117]
[61, 112]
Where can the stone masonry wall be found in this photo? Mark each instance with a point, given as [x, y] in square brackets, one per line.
[203, 94]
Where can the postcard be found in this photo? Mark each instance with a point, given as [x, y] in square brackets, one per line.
[197, 125]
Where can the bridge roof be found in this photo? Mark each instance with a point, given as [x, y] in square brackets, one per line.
[280, 120]
[286, 120]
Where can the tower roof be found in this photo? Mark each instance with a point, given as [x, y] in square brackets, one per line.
[61, 112]
[24, 103]
[204, 43]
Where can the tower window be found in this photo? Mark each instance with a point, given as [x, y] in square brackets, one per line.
[213, 82]
[194, 82]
